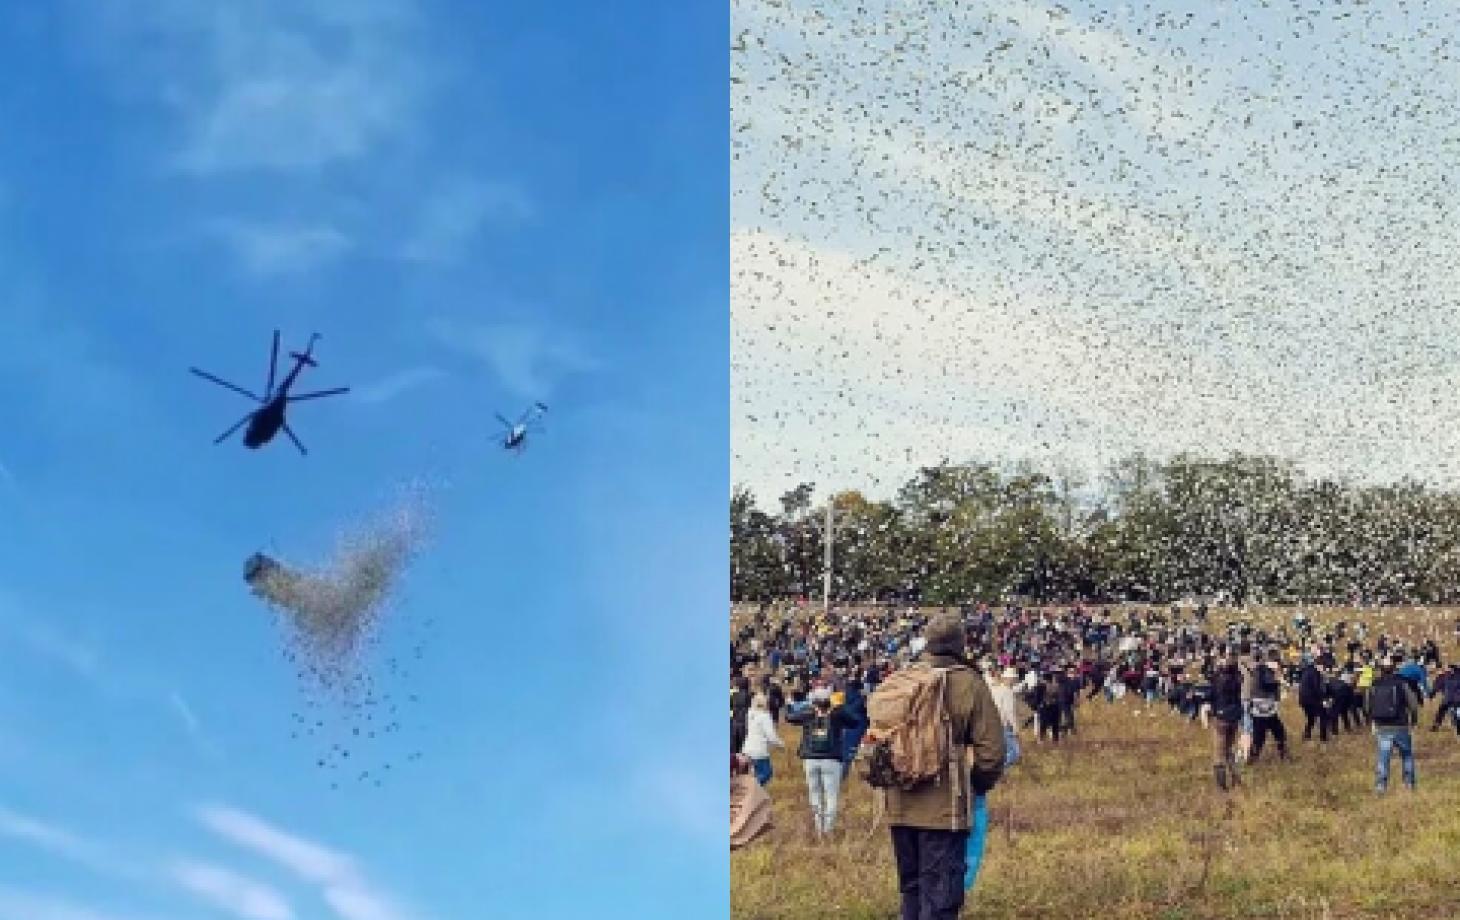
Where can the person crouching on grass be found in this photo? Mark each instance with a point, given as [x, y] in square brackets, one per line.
[931, 822]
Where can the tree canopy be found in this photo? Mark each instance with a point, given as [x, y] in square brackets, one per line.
[1241, 528]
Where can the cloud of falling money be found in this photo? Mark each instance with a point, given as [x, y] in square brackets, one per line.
[332, 611]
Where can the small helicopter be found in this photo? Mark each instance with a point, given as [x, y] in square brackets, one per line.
[265, 421]
[515, 433]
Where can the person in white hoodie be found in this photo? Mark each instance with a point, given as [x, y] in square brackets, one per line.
[1004, 698]
[760, 737]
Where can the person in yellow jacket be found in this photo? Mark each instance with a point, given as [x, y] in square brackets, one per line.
[1361, 688]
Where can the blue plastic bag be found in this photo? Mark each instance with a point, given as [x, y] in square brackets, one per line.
[976, 835]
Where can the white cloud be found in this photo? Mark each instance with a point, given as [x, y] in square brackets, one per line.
[29, 904]
[78, 654]
[191, 724]
[528, 359]
[233, 893]
[59, 842]
[184, 711]
[270, 84]
[398, 384]
[341, 882]
[457, 212]
[279, 249]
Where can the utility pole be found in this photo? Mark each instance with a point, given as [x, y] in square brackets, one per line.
[826, 572]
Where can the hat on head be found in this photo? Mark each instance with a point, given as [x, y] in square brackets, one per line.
[1011, 674]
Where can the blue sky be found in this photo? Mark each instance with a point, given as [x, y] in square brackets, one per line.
[477, 205]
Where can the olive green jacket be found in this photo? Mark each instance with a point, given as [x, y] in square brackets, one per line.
[977, 727]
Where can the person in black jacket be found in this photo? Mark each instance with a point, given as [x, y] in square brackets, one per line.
[1226, 719]
[854, 708]
[1311, 692]
[1447, 690]
[822, 731]
[739, 713]
[1069, 688]
[775, 701]
[1341, 692]
[1264, 691]
[1051, 709]
[1393, 708]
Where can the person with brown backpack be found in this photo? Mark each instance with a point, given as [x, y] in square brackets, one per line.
[935, 742]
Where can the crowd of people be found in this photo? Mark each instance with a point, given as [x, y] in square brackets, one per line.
[816, 670]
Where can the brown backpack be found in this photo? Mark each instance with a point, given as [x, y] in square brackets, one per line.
[909, 735]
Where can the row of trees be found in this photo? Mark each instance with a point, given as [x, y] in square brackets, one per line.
[1244, 527]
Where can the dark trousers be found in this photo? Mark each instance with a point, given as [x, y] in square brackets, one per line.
[1440, 714]
[1349, 718]
[739, 728]
[1067, 714]
[1050, 720]
[930, 867]
[1261, 725]
[1315, 713]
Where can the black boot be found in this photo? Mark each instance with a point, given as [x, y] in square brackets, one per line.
[1221, 772]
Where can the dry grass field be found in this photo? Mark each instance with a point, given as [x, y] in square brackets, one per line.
[1124, 821]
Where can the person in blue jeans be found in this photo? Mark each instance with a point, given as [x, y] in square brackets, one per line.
[760, 738]
[1393, 709]
[821, 757]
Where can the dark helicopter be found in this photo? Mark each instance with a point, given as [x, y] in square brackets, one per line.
[515, 433]
[265, 421]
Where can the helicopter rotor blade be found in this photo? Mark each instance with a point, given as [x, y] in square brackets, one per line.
[239, 424]
[505, 424]
[318, 394]
[295, 438]
[273, 364]
[224, 383]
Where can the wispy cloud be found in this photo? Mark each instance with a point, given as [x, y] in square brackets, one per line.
[458, 212]
[30, 904]
[233, 893]
[71, 651]
[191, 723]
[271, 85]
[184, 711]
[278, 249]
[61, 843]
[528, 359]
[341, 883]
[398, 384]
